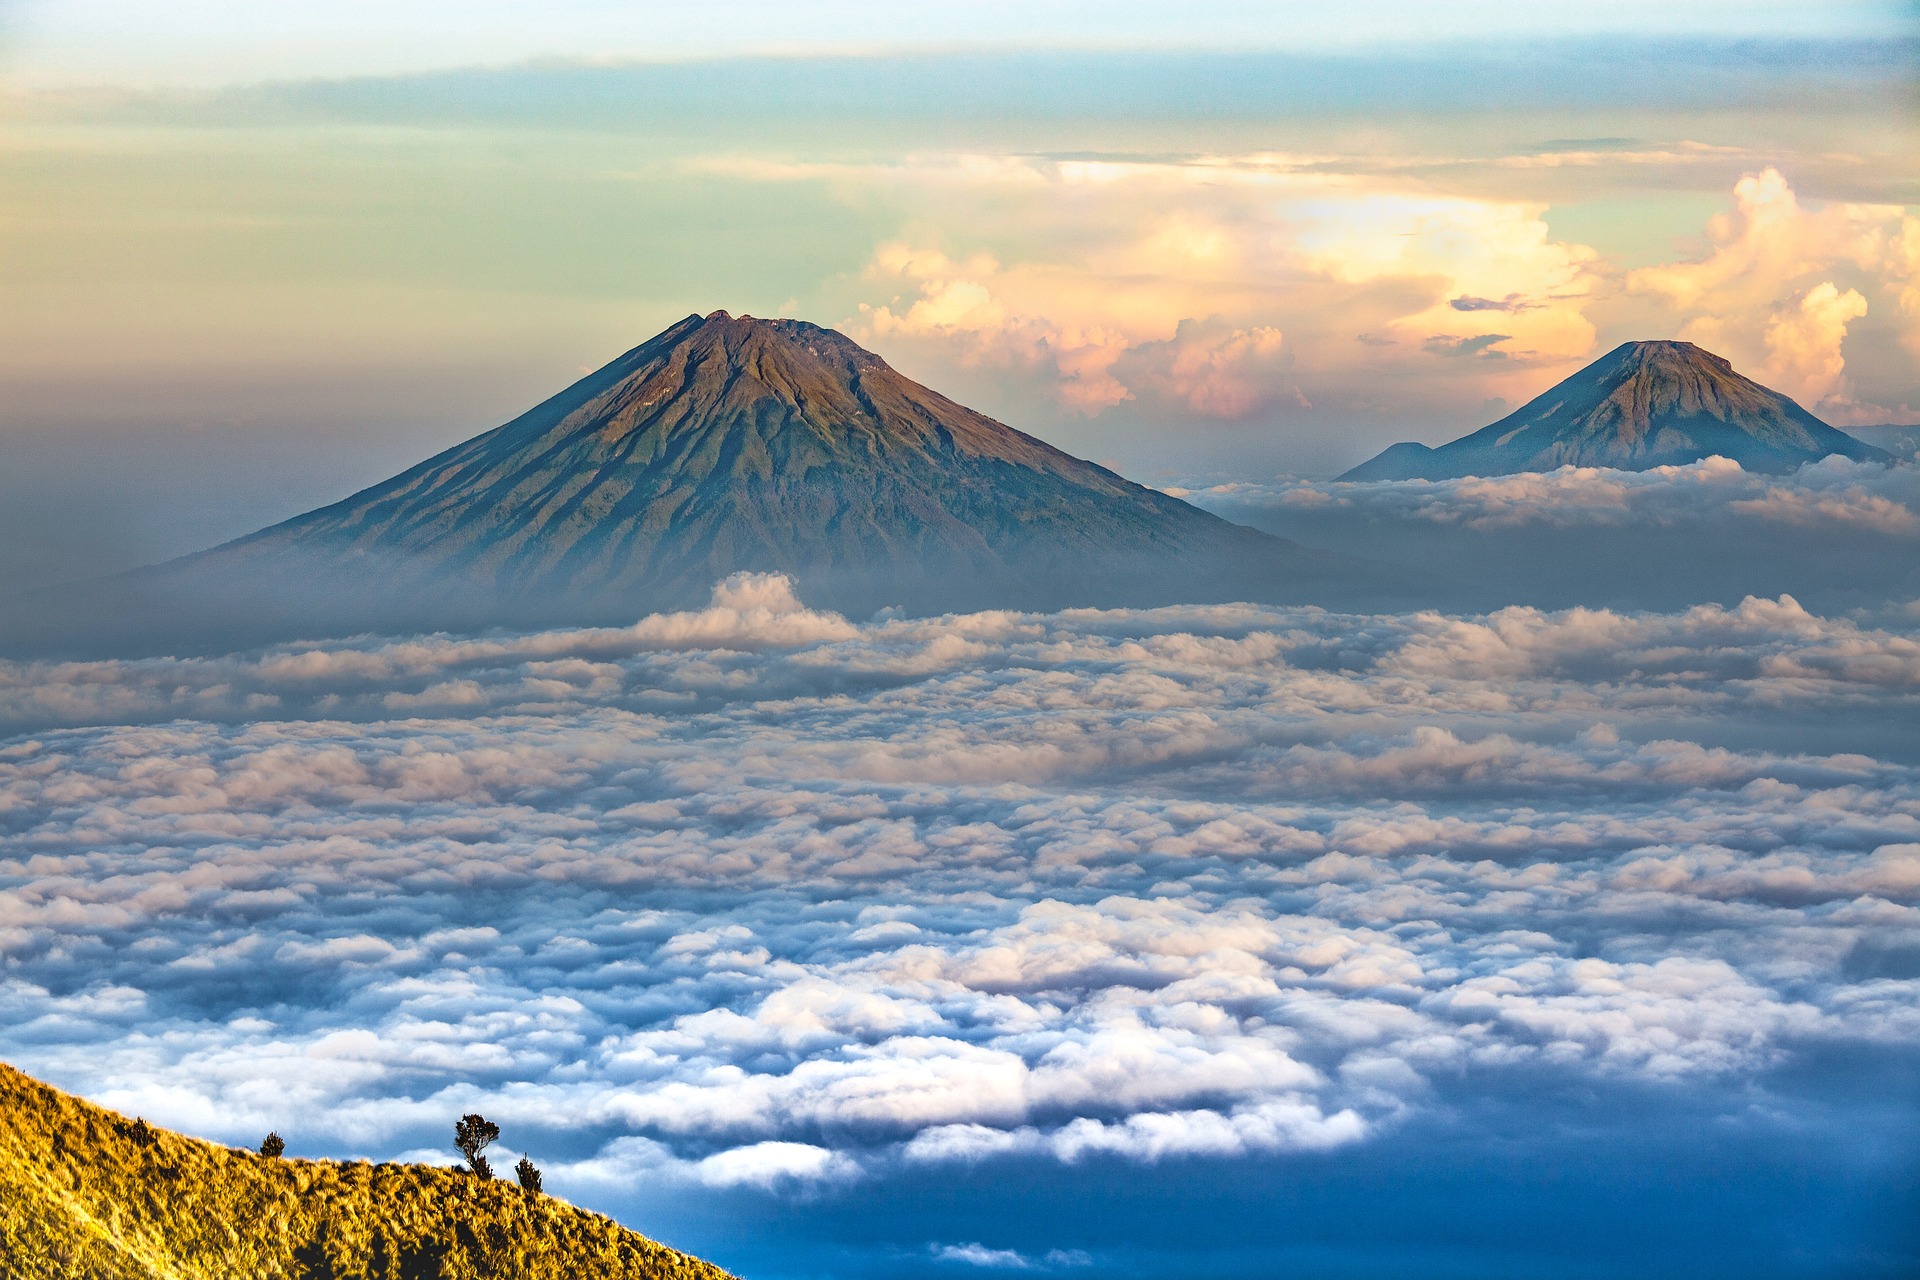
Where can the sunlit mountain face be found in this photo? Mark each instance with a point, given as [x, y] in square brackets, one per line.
[734, 444]
[974, 771]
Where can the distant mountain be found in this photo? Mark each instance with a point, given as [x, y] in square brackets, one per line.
[725, 444]
[1642, 405]
[1902, 440]
[86, 1192]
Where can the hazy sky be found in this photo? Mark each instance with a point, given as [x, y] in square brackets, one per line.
[1576, 938]
[255, 257]
[126, 42]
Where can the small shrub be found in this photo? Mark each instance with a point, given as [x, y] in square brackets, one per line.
[471, 1134]
[529, 1175]
[273, 1146]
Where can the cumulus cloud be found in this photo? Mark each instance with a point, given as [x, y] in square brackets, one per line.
[1165, 284]
[760, 900]
[749, 611]
[1766, 294]
[1852, 505]
[1804, 338]
[769, 1165]
[1482, 250]
[1213, 370]
[1177, 312]
[999, 318]
[975, 1254]
[1381, 278]
[1037, 317]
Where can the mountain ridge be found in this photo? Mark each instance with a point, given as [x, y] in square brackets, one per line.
[1640, 406]
[87, 1192]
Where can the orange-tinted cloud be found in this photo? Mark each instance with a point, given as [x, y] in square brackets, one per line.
[1772, 291]
[1198, 307]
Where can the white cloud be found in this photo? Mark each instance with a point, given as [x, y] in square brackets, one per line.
[975, 1254]
[1177, 310]
[768, 1165]
[978, 1255]
[1850, 506]
[1765, 294]
[1804, 339]
[749, 611]
[1140, 886]
[1220, 285]
[1831, 492]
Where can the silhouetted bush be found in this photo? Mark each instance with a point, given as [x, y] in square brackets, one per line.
[528, 1173]
[272, 1146]
[471, 1134]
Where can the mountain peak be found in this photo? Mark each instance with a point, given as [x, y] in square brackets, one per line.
[1668, 358]
[1654, 349]
[732, 443]
[1642, 405]
[795, 352]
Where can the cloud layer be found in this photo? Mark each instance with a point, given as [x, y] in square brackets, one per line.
[1256, 274]
[1833, 494]
[754, 897]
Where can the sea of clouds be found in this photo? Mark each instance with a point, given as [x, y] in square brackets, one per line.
[1838, 536]
[759, 897]
[1832, 492]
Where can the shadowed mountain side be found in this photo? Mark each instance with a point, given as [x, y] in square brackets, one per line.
[724, 444]
[1642, 405]
[86, 1192]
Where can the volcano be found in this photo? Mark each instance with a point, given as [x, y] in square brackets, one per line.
[1642, 405]
[729, 444]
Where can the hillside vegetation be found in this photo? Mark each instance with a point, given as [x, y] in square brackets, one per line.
[88, 1193]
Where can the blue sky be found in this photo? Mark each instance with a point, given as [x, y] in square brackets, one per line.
[200, 43]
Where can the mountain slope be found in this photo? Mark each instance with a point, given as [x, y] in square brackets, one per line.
[731, 443]
[85, 1192]
[1642, 405]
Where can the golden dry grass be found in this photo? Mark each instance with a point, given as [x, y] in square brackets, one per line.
[88, 1193]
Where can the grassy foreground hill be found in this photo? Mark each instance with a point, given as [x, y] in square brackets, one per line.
[88, 1193]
